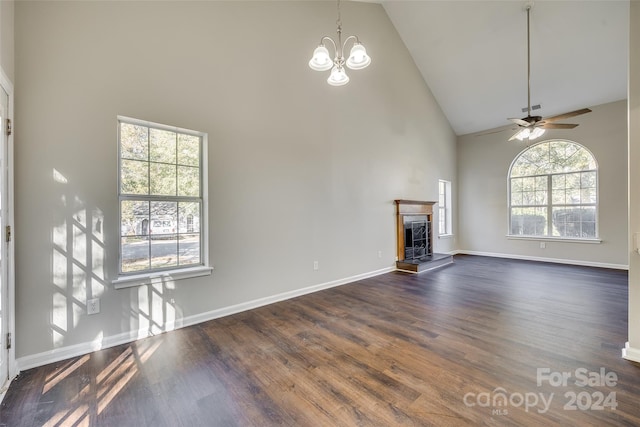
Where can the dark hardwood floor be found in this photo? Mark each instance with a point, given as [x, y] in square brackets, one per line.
[463, 345]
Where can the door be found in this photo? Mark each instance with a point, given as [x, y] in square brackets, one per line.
[5, 306]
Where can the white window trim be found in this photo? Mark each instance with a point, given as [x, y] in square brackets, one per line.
[448, 208]
[139, 279]
[547, 238]
[160, 276]
[554, 239]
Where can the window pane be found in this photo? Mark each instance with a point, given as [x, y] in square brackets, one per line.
[588, 180]
[573, 197]
[135, 254]
[528, 198]
[573, 180]
[134, 143]
[588, 195]
[164, 217]
[164, 251]
[528, 221]
[163, 179]
[188, 181]
[578, 222]
[162, 146]
[516, 184]
[559, 181]
[516, 199]
[188, 150]
[528, 184]
[541, 198]
[558, 197]
[134, 177]
[134, 218]
[189, 217]
[189, 249]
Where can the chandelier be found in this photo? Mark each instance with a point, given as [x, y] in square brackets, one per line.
[321, 60]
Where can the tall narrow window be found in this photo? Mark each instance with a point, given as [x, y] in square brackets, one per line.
[161, 197]
[553, 191]
[444, 208]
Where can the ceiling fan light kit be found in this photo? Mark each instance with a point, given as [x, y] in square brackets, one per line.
[532, 127]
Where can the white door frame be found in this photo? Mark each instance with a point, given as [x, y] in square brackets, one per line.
[9, 260]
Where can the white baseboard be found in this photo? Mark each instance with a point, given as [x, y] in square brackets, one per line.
[631, 353]
[542, 259]
[62, 353]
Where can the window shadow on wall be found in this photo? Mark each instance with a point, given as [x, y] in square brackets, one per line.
[77, 260]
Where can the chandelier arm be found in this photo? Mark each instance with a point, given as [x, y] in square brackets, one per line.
[331, 40]
[338, 59]
[354, 38]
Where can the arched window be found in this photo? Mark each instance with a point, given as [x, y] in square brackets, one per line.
[553, 191]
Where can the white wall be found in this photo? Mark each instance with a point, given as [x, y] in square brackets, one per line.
[299, 171]
[633, 350]
[483, 165]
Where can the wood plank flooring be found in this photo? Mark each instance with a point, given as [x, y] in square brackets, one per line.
[453, 347]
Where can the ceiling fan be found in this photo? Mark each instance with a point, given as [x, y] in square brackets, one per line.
[532, 127]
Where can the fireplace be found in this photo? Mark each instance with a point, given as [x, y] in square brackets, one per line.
[414, 221]
[415, 233]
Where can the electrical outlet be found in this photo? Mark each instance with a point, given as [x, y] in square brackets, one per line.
[316, 265]
[543, 245]
[93, 306]
[379, 254]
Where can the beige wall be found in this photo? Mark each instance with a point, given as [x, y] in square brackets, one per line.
[298, 171]
[634, 181]
[483, 165]
[6, 38]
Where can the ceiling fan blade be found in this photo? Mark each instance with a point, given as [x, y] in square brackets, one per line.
[499, 130]
[566, 115]
[557, 125]
[520, 122]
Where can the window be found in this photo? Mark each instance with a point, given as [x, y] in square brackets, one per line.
[160, 188]
[444, 208]
[553, 189]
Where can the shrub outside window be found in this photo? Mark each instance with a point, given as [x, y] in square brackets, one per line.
[553, 189]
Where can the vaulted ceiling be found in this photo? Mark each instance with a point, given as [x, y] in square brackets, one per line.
[473, 55]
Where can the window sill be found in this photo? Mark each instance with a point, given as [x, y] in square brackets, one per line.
[445, 236]
[160, 276]
[554, 239]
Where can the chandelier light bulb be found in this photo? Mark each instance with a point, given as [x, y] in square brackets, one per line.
[338, 77]
[358, 58]
[320, 61]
